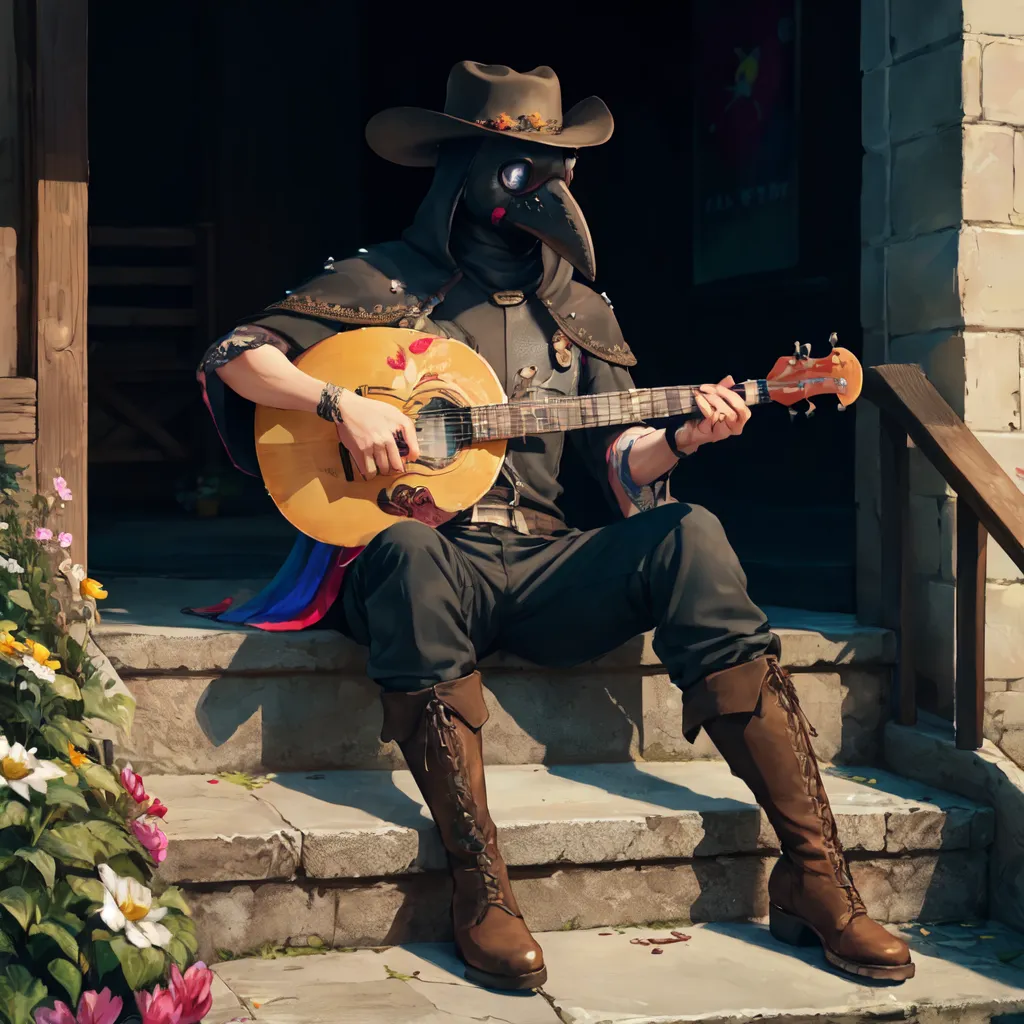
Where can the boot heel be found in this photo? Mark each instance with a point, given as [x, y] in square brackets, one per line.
[789, 929]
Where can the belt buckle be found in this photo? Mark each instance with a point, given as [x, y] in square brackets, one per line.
[500, 515]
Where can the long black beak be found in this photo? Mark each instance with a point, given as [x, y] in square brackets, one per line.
[551, 214]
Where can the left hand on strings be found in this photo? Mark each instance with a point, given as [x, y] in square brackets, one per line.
[725, 415]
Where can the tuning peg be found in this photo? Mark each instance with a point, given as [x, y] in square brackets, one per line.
[796, 349]
[810, 408]
[833, 339]
[807, 351]
[793, 413]
[842, 408]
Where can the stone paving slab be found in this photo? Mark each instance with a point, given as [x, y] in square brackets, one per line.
[725, 973]
[143, 630]
[371, 824]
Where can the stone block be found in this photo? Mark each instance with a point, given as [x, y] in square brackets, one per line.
[970, 80]
[921, 285]
[989, 278]
[941, 355]
[913, 25]
[1004, 631]
[1004, 721]
[1002, 76]
[872, 287]
[925, 92]
[926, 534]
[874, 110]
[988, 175]
[993, 381]
[874, 34]
[994, 17]
[874, 198]
[662, 735]
[1018, 173]
[926, 176]
[1008, 450]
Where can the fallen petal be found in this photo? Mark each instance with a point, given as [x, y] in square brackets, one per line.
[657, 951]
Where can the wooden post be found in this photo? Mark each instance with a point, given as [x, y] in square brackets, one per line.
[897, 564]
[8, 302]
[60, 295]
[971, 573]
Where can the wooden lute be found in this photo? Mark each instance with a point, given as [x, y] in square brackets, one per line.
[463, 420]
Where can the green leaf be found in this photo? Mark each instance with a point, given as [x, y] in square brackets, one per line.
[20, 994]
[85, 843]
[173, 897]
[98, 777]
[116, 708]
[6, 943]
[183, 929]
[106, 961]
[141, 967]
[126, 866]
[60, 794]
[41, 861]
[65, 941]
[69, 977]
[69, 729]
[66, 687]
[178, 952]
[19, 904]
[21, 598]
[14, 812]
[8, 625]
[87, 888]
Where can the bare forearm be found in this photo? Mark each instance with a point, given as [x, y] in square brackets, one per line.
[266, 376]
[650, 458]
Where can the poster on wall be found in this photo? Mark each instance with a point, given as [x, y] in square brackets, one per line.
[746, 216]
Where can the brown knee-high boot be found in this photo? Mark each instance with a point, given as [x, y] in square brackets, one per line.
[811, 893]
[438, 730]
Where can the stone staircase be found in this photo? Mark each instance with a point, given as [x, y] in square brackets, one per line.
[294, 829]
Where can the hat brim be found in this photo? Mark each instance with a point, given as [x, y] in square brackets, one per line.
[410, 136]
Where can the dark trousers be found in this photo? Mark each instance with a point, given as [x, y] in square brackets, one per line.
[430, 604]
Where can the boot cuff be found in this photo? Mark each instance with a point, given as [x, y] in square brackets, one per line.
[404, 709]
[732, 691]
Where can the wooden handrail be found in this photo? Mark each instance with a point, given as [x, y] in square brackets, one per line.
[988, 502]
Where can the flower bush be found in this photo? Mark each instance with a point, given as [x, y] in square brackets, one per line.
[87, 936]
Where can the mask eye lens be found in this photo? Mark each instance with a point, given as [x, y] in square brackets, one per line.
[514, 176]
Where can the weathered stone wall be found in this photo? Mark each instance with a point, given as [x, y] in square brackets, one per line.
[942, 271]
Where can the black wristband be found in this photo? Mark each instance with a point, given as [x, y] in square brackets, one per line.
[671, 429]
[329, 408]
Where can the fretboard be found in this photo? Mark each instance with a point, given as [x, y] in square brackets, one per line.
[521, 418]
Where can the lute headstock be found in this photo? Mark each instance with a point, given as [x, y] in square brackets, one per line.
[799, 378]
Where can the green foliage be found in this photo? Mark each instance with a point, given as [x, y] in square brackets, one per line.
[58, 827]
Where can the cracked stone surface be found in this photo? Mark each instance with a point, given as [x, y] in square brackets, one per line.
[350, 824]
[734, 973]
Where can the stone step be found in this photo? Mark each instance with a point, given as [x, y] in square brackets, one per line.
[723, 974]
[212, 699]
[352, 857]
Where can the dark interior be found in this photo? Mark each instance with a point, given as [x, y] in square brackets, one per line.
[246, 117]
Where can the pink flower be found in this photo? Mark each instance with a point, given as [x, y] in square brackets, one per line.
[44, 533]
[158, 1007]
[60, 485]
[156, 809]
[133, 783]
[93, 1008]
[64, 539]
[151, 838]
[192, 991]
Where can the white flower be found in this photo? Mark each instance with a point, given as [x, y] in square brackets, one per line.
[128, 905]
[22, 771]
[10, 565]
[43, 672]
[4, 525]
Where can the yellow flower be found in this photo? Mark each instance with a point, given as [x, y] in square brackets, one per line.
[536, 120]
[76, 757]
[42, 655]
[92, 588]
[8, 645]
[503, 122]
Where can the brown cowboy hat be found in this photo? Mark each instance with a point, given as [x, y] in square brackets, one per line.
[489, 99]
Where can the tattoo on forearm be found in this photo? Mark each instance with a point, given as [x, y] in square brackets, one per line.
[641, 496]
[329, 406]
[241, 339]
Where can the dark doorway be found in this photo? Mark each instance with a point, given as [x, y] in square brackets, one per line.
[245, 119]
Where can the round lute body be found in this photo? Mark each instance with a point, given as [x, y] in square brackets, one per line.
[463, 421]
[315, 484]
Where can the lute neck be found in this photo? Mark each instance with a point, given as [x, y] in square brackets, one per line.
[521, 418]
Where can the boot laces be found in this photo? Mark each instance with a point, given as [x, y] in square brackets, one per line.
[800, 725]
[444, 742]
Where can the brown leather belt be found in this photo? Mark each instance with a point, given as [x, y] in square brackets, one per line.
[522, 520]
